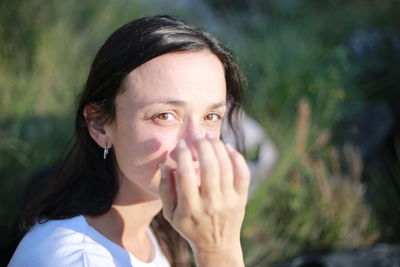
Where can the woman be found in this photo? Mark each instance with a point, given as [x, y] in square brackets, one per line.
[148, 130]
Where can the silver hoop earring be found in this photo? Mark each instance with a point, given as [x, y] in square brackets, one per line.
[105, 152]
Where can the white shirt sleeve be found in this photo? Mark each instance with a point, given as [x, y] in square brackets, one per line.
[59, 243]
[73, 242]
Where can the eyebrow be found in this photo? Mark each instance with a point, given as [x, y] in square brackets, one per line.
[179, 103]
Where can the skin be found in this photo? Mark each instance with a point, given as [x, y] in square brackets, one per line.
[166, 142]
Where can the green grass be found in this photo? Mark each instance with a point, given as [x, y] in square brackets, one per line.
[309, 204]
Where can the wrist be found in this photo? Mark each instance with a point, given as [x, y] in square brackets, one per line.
[230, 256]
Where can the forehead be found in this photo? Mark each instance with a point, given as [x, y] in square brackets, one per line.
[184, 76]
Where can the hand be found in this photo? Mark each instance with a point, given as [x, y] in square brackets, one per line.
[208, 215]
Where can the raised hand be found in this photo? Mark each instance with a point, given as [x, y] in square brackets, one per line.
[207, 207]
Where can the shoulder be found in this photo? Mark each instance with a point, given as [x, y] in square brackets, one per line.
[60, 243]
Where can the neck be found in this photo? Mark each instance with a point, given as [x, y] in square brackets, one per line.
[128, 219]
[134, 218]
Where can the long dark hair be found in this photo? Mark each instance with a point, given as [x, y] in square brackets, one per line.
[86, 184]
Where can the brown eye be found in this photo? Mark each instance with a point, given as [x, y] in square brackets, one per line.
[212, 117]
[165, 116]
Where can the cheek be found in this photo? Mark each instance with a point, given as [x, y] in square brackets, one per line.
[150, 146]
[139, 160]
[153, 145]
[168, 142]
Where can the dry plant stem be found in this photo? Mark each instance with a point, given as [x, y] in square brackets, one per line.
[303, 126]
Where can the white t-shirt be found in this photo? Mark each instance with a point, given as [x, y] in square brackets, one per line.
[73, 242]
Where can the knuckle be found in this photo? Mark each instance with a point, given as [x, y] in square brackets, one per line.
[187, 209]
[213, 209]
[210, 165]
[226, 164]
[215, 204]
[210, 172]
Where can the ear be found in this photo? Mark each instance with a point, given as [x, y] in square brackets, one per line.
[96, 126]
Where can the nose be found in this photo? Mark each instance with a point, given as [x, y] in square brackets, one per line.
[189, 132]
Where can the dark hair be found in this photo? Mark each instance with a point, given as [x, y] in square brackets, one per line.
[86, 184]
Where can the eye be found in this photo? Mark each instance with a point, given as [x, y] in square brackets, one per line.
[213, 117]
[165, 116]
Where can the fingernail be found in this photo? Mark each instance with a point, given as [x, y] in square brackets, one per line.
[182, 144]
[210, 136]
[229, 147]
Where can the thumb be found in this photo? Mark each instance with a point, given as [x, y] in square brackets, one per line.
[167, 192]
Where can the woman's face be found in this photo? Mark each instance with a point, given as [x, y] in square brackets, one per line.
[171, 97]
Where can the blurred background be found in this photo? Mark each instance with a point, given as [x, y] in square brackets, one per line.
[323, 84]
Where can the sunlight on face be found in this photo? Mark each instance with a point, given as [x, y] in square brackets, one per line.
[171, 97]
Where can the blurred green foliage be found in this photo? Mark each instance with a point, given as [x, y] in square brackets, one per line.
[309, 204]
[300, 84]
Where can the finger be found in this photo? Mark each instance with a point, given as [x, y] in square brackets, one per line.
[241, 171]
[186, 181]
[209, 168]
[167, 192]
[225, 164]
